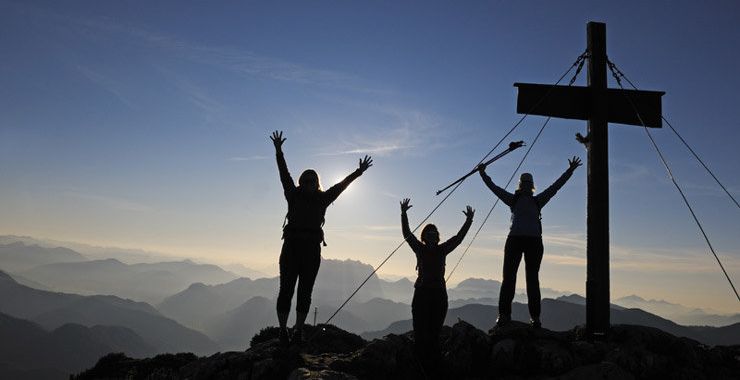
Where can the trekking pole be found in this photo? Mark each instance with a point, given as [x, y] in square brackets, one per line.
[512, 147]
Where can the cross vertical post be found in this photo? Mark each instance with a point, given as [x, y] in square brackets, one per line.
[597, 209]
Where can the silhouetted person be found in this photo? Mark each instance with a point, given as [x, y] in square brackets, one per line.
[300, 256]
[525, 237]
[429, 305]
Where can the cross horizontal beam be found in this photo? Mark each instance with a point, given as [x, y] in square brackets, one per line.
[575, 102]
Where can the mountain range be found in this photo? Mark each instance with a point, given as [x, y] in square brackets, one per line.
[152, 281]
[560, 315]
[678, 313]
[55, 293]
[17, 256]
[30, 351]
[149, 282]
[52, 310]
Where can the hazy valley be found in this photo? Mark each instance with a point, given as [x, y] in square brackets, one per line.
[56, 300]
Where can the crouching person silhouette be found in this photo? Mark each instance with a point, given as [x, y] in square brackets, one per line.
[300, 256]
[525, 237]
[429, 305]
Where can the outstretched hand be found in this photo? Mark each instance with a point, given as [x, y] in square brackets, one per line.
[365, 163]
[405, 206]
[469, 212]
[574, 163]
[277, 139]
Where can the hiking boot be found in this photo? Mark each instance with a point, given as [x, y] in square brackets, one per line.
[503, 320]
[284, 337]
[535, 323]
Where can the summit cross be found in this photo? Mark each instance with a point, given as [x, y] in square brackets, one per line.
[598, 105]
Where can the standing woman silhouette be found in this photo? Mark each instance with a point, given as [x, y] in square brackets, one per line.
[525, 238]
[429, 305]
[300, 256]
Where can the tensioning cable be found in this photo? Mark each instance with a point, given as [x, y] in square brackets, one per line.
[686, 144]
[672, 177]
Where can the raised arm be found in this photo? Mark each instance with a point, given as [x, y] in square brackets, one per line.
[504, 195]
[285, 178]
[454, 241]
[547, 194]
[333, 193]
[413, 242]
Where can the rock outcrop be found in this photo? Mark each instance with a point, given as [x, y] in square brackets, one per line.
[516, 351]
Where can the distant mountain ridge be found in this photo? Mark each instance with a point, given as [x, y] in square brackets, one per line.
[678, 313]
[201, 308]
[222, 301]
[53, 310]
[18, 256]
[472, 289]
[27, 350]
[150, 282]
[126, 255]
[561, 316]
[235, 328]
[199, 303]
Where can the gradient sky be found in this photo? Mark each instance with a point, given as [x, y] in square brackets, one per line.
[145, 124]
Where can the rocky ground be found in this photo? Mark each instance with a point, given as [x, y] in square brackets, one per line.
[514, 352]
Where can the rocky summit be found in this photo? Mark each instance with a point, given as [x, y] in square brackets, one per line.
[516, 351]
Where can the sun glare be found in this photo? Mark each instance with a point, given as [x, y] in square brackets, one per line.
[338, 178]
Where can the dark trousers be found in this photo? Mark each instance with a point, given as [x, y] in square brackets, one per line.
[531, 247]
[428, 309]
[299, 262]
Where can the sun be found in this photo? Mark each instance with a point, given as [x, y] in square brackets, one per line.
[338, 178]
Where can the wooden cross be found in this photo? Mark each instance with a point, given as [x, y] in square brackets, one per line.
[599, 105]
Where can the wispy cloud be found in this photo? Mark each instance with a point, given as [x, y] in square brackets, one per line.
[252, 64]
[627, 172]
[212, 110]
[249, 158]
[394, 129]
[566, 240]
[671, 260]
[710, 189]
[197, 96]
[570, 249]
[389, 194]
[112, 202]
[565, 260]
[383, 228]
[108, 84]
[377, 150]
[233, 59]
[408, 130]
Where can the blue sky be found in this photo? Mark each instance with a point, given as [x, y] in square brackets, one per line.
[145, 125]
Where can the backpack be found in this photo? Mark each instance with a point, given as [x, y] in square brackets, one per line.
[539, 208]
